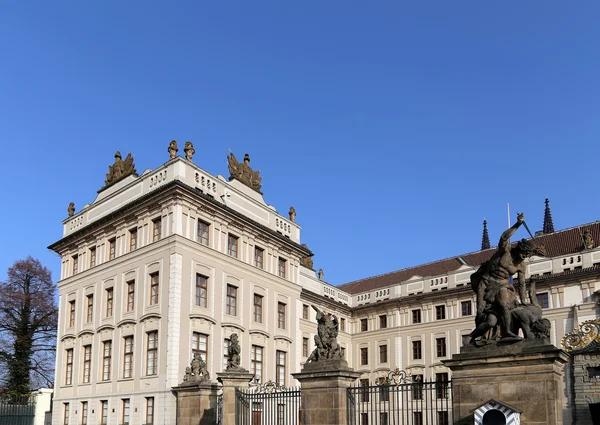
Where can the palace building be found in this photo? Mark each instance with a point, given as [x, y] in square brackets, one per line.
[175, 260]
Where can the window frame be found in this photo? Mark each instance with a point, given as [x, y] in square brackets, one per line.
[106, 359]
[416, 314]
[152, 353]
[128, 353]
[201, 296]
[259, 256]
[256, 361]
[126, 411]
[154, 288]
[109, 302]
[112, 248]
[133, 236]
[364, 356]
[84, 413]
[383, 353]
[86, 376]
[69, 367]
[364, 325]
[203, 233]
[231, 300]
[198, 339]
[280, 367]
[232, 245]
[440, 347]
[281, 315]
[281, 267]
[90, 308]
[440, 312]
[466, 308]
[383, 321]
[305, 347]
[149, 410]
[130, 295]
[417, 349]
[93, 257]
[157, 229]
[258, 308]
[72, 313]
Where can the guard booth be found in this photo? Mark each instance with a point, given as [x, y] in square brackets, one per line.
[494, 412]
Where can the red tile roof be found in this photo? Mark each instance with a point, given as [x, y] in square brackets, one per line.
[557, 244]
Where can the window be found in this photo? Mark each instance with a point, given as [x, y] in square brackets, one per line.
[149, 410]
[112, 248]
[442, 417]
[226, 343]
[593, 372]
[542, 300]
[154, 288]
[87, 363]
[90, 308]
[440, 347]
[280, 414]
[440, 312]
[280, 368]
[128, 357]
[383, 354]
[106, 360]
[343, 352]
[343, 324]
[383, 418]
[281, 315]
[231, 307]
[75, 264]
[364, 417]
[71, 313]
[130, 295]
[84, 413]
[69, 368]
[152, 353]
[232, 245]
[200, 345]
[304, 347]
[441, 385]
[256, 362]
[132, 239]
[417, 418]
[364, 325]
[383, 321]
[203, 232]
[201, 290]
[384, 392]
[281, 267]
[417, 354]
[304, 311]
[466, 308]
[126, 407]
[417, 387]
[364, 394]
[103, 412]
[258, 303]
[364, 356]
[258, 257]
[92, 257]
[109, 302]
[66, 414]
[416, 316]
[156, 230]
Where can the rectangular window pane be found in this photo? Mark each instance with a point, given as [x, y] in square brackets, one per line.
[466, 308]
[66, 413]
[280, 357]
[232, 245]
[92, 257]
[149, 410]
[156, 230]
[130, 295]
[258, 302]
[364, 356]
[152, 353]
[154, 288]
[203, 232]
[126, 407]
[106, 360]
[201, 291]
[69, 367]
[258, 257]
[132, 239]
[281, 267]
[416, 316]
[256, 363]
[231, 305]
[281, 315]
[104, 412]
[90, 308]
[109, 302]
[112, 248]
[200, 345]
[128, 357]
[87, 363]
[71, 314]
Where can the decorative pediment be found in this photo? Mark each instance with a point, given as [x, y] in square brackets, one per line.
[259, 333]
[586, 338]
[68, 339]
[201, 319]
[232, 327]
[243, 173]
[119, 170]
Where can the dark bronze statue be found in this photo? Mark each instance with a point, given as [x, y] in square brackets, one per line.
[326, 345]
[243, 172]
[233, 353]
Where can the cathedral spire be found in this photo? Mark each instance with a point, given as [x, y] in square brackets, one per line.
[548, 224]
[485, 239]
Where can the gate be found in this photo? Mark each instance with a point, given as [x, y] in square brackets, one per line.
[17, 410]
[267, 404]
[398, 399]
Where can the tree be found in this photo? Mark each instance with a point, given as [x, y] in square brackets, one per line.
[28, 326]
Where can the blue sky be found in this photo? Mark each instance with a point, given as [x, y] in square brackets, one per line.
[394, 128]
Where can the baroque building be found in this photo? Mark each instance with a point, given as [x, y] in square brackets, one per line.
[174, 261]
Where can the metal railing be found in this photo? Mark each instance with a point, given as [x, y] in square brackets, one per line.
[267, 404]
[17, 410]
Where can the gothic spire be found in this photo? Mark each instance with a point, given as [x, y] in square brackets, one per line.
[485, 239]
[548, 224]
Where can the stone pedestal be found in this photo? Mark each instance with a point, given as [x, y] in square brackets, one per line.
[231, 380]
[324, 387]
[196, 403]
[527, 375]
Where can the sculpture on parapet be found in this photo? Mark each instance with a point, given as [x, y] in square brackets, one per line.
[233, 353]
[292, 213]
[172, 149]
[243, 173]
[71, 209]
[306, 261]
[189, 150]
[326, 345]
[197, 371]
[499, 313]
[588, 241]
[119, 170]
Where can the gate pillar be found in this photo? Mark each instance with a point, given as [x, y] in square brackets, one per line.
[196, 403]
[231, 381]
[324, 386]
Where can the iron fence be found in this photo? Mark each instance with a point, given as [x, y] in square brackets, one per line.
[267, 404]
[17, 410]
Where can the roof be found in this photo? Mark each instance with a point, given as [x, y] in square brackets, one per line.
[563, 242]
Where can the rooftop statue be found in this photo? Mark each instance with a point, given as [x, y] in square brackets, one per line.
[500, 315]
[306, 261]
[588, 241]
[326, 345]
[71, 209]
[233, 353]
[243, 172]
[197, 371]
[172, 149]
[189, 150]
[292, 214]
[119, 170]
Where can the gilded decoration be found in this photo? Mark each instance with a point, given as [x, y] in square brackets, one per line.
[243, 173]
[587, 337]
[119, 170]
[395, 377]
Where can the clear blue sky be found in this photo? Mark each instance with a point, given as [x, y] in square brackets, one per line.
[394, 128]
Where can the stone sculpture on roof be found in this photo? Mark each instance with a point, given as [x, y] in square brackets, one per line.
[197, 371]
[588, 241]
[119, 170]
[326, 345]
[243, 173]
[189, 150]
[172, 149]
[71, 209]
[306, 261]
[292, 214]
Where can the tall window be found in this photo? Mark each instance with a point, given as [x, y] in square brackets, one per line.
[440, 312]
[200, 344]
[281, 267]
[258, 257]
[343, 352]
[103, 412]
[232, 245]
[383, 417]
[152, 353]
[149, 410]
[364, 326]
[201, 291]
[112, 248]
[203, 232]
[75, 264]
[542, 300]
[71, 313]
[258, 307]
[106, 360]
[440, 346]
[305, 347]
[305, 311]
[92, 257]
[128, 357]
[383, 321]
[87, 363]
[130, 295]
[441, 385]
[126, 407]
[280, 368]
[416, 348]
[66, 414]
[154, 288]
[226, 343]
[364, 394]
[231, 305]
[281, 315]
[133, 239]
[418, 418]
[383, 354]
[364, 356]
[109, 302]
[84, 412]
[417, 387]
[90, 308]
[156, 229]
[442, 417]
[256, 362]
[466, 308]
[343, 324]
[69, 368]
[416, 316]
